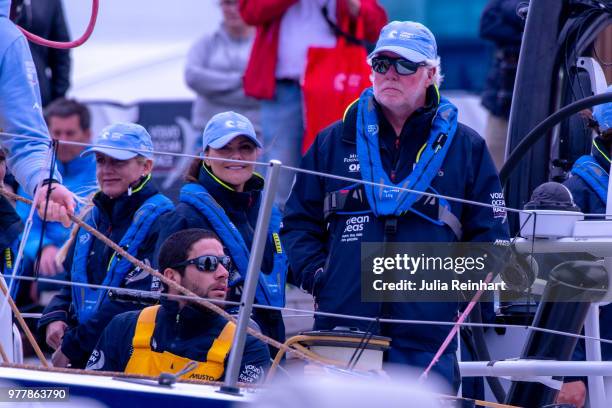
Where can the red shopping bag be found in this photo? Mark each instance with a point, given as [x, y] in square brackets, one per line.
[333, 79]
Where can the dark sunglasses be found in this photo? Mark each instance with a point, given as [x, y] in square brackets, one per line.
[207, 263]
[402, 66]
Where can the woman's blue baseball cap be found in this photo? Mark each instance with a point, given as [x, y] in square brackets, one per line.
[224, 127]
[123, 141]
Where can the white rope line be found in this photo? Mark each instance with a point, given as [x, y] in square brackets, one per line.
[155, 152]
[290, 168]
[306, 313]
[300, 170]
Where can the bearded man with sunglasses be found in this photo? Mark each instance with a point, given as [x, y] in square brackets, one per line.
[402, 133]
[165, 338]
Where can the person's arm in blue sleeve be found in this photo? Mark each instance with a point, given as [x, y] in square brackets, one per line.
[303, 234]
[20, 113]
[59, 306]
[113, 350]
[484, 224]
[255, 361]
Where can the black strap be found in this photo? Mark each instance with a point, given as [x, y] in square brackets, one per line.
[341, 33]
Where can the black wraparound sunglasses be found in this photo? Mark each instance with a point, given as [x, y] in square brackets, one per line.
[207, 263]
[402, 66]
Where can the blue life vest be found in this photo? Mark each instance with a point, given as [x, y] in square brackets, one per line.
[595, 176]
[389, 200]
[271, 287]
[87, 300]
[8, 262]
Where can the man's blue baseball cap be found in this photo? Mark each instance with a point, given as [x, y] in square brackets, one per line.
[224, 127]
[123, 141]
[408, 39]
[603, 114]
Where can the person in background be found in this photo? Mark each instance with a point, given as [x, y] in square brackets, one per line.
[167, 337]
[45, 18]
[225, 197]
[68, 121]
[588, 184]
[285, 31]
[500, 24]
[21, 115]
[215, 67]
[126, 210]
[402, 133]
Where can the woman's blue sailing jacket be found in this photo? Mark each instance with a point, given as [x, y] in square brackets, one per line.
[118, 219]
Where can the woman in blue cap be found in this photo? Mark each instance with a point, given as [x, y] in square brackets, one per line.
[589, 187]
[224, 195]
[126, 210]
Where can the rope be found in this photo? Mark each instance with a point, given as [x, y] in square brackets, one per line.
[168, 282]
[307, 313]
[70, 44]
[5, 358]
[456, 327]
[297, 170]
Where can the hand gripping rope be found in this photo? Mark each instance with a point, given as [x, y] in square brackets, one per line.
[70, 44]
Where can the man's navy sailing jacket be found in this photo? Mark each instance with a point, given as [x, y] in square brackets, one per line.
[313, 242]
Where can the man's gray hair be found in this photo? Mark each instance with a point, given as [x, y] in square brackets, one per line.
[435, 63]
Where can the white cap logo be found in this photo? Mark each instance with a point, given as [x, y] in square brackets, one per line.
[235, 124]
[404, 35]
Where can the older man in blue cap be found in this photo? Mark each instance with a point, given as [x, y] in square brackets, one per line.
[402, 133]
[126, 210]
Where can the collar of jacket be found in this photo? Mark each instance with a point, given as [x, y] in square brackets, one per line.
[190, 320]
[225, 195]
[601, 152]
[121, 209]
[424, 113]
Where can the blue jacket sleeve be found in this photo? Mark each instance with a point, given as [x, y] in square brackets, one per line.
[113, 350]
[255, 361]
[59, 307]
[20, 113]
[483, 224]
[303, 234]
